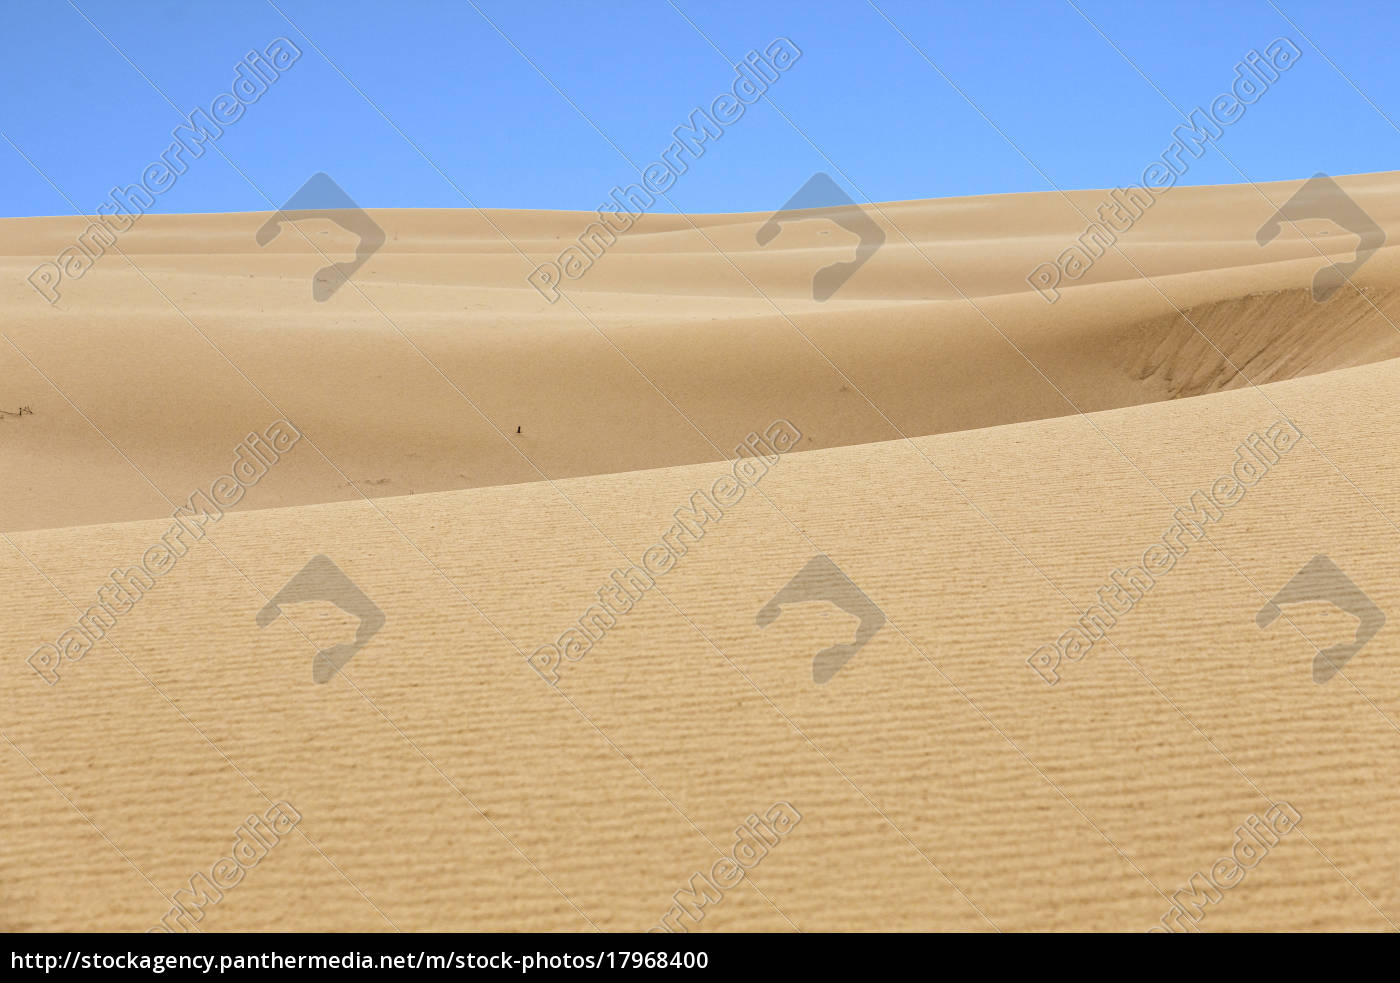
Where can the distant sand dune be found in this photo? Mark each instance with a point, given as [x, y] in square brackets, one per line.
[677, 350]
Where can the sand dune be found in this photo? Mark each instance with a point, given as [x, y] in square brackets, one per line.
[418, 375]
[977, 462]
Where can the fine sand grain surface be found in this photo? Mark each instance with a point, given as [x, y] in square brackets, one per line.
[979, 463]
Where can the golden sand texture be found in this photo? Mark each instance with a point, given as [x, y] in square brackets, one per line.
[976, 462]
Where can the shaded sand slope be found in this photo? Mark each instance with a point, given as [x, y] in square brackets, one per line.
[439, 368]
[941, 783]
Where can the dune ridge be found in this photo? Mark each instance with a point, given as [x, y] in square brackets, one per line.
[441, 368]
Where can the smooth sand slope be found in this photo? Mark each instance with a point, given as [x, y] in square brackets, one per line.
[442, 783]
[417, 376]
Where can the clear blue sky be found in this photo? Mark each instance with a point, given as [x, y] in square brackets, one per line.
[502, 133]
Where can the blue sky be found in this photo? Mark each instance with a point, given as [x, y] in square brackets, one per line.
[463, 92]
